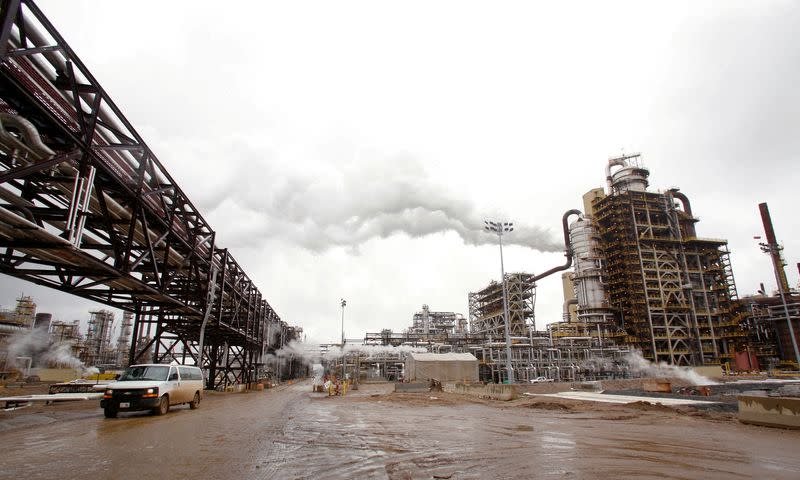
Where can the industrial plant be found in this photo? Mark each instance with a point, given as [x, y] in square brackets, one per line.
[637, 278]
[29, 339]
[307, 135]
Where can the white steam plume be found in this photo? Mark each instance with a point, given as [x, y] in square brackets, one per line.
[366, 195]
[311, 355]
[38, 345]
[369, 350]
[638, 364]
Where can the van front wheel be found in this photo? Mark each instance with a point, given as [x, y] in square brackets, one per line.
[195, 401]
[110, 412]
[163, 406]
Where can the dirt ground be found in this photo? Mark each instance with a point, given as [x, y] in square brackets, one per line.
[290, 432]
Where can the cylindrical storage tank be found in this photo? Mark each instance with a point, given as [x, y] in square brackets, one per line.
[588, 286]
[43, 320]
[630, 178]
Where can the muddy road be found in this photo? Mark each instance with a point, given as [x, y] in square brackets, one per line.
[289, 432]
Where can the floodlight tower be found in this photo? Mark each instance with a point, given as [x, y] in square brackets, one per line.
[500, 228]
[343, 304]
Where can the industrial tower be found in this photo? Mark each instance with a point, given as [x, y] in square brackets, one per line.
[640, 264]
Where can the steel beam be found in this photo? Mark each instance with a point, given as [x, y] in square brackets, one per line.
[145, 248]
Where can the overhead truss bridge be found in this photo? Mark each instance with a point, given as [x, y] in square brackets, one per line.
[87, 208]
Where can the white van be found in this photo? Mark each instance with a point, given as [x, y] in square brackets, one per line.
[153, 387]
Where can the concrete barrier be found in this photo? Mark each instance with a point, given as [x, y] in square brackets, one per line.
[493, 391]
[770, 411]
[411, 387]
[712, 371]
[501, 392]
[657, 386]
[589, 386]
[55, 374]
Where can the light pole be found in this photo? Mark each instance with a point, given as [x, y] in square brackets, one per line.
[774, 250]
[499, 228]
[344, 302]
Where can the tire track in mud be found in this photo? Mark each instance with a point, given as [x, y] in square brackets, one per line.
[290, 432]
[323, 440]
[331, 438]
[407, 439]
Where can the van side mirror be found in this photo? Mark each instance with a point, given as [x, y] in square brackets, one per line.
[173, 377]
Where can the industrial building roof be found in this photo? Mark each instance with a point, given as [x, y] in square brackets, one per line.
[442, 357]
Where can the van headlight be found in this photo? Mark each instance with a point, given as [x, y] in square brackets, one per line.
[150, 393]
[108, 393]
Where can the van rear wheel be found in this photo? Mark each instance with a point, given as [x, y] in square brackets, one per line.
[195, 401]
[163, 406]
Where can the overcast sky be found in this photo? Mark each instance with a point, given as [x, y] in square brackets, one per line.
[352, 149]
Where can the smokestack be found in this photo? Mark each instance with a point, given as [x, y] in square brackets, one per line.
[774, 251]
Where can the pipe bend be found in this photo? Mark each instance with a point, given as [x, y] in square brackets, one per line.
[687, 207]
[565, 225]
[567, 246]
[567, 303]
[611, 163]
[33, 142]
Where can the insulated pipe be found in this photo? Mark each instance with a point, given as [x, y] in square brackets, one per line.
[613, 162]
[687, 207]
[29, 133]
[567, 303]
[17, 203]
[58, 64]
[567, 246]
[37, 152]
[130, 163]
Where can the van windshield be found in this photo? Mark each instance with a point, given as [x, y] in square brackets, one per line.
[157, 373]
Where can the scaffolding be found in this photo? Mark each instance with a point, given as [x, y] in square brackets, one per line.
[673, 293]
[98, 338]
[65, 331]
[486, 307]
[568, 359]
[426, 322]
[23, 314]
[594, 353]
[567, 351]
[124, 339]
[769, 333]
[436, 344]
